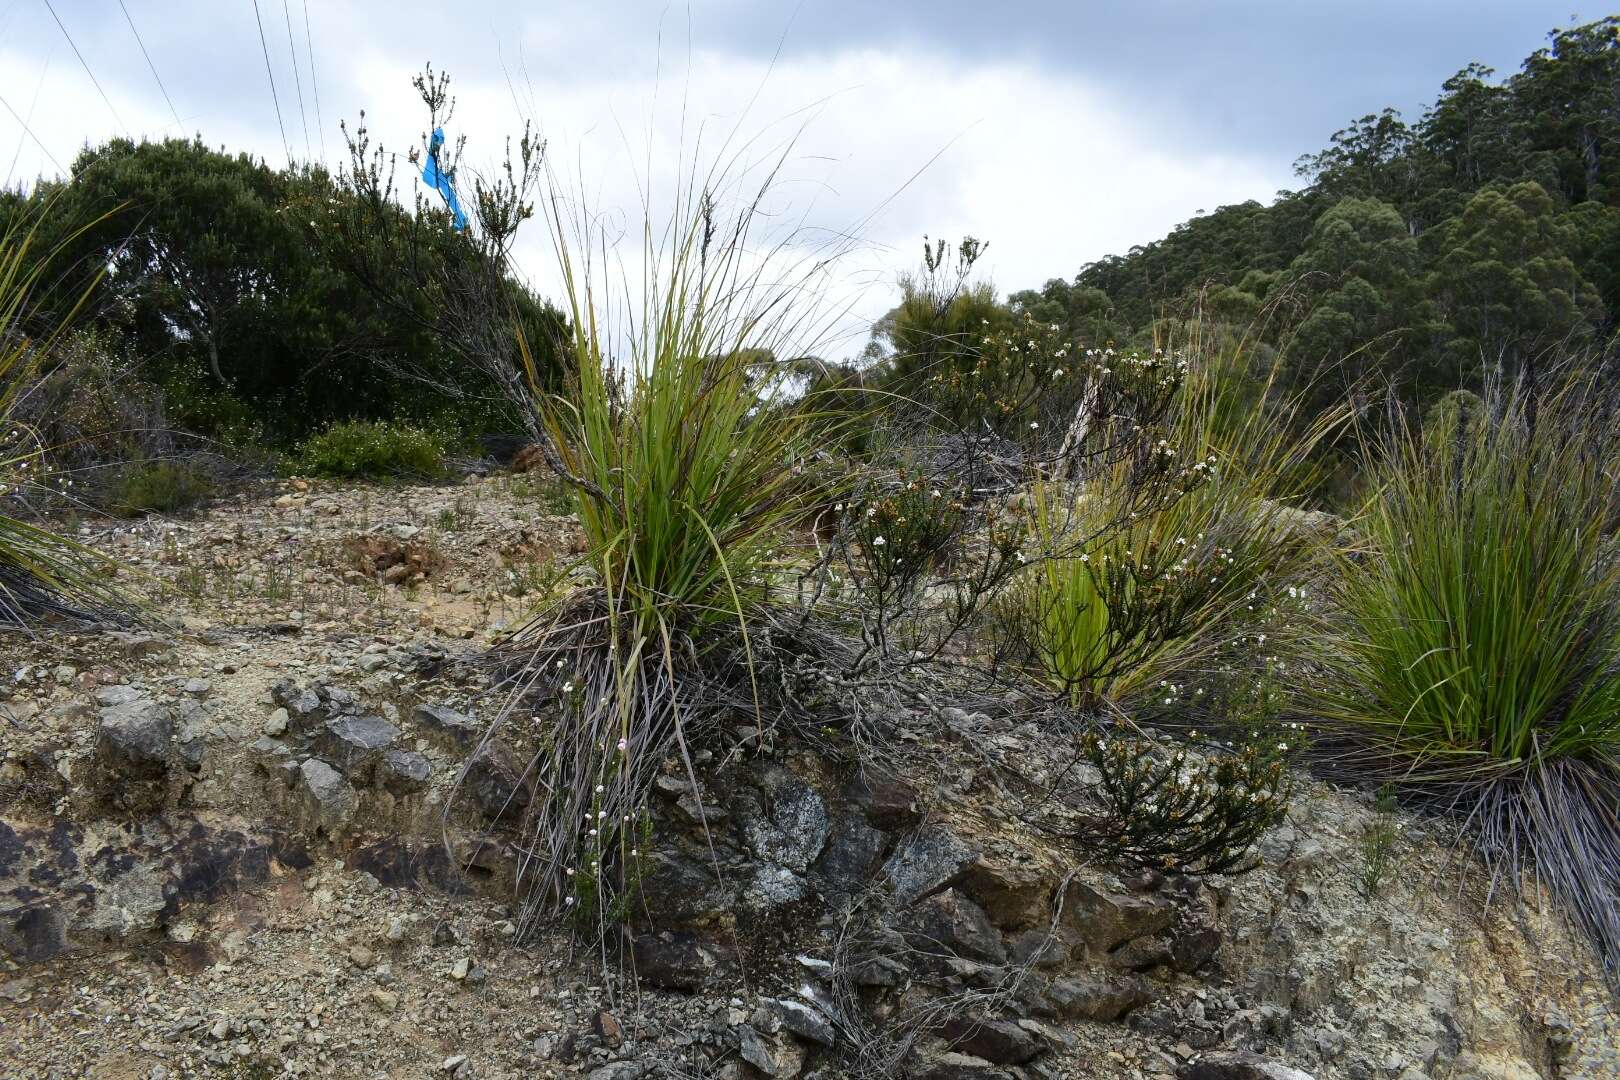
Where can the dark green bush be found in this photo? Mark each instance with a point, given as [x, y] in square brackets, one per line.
[1193, 812]
[162, 487]
[367, 449]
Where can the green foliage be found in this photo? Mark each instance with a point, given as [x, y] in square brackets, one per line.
[162, 487]
[1505, 276]
[1378, 843]
[360, 448]
[1184, 810]
[1176, 585]
[1483, 632]
[239, 291]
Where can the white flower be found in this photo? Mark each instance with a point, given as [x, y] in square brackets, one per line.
[1034, 425]
[623, 745]
[878, 542]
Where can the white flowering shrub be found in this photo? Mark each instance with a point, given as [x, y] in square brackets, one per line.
[1187, 810]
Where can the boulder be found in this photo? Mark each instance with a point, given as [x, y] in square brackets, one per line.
[1109, 917]
[956, 1066]
[403, 771]
[133, 740]
[447, 725]
[494, 782]
[930, 860]
[1239, 1065]
[355, 743]
[786, 824]
[950, 921]
[1000, 1042]
[674, 961]
[1092, 997]
[328, 798]
[852, 854]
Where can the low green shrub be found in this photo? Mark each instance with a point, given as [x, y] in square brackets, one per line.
[1190, 810]
[161, 487]
[361, 448]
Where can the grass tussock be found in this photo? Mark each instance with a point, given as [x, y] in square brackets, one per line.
[41, 573]
[689, 477]
[1475, 662]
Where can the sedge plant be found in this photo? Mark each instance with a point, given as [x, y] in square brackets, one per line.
[688, 474]
[1474, 658]
[42, 573]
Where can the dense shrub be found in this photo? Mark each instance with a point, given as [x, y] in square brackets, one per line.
[1195, 811]
[360, 448]
[163, 487]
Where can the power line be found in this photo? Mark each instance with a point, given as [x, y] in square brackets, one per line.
[314, 84]
[292, 49]
[179, 123]
[285, 145]
[86, 67]
[10, 172]
[31, 135]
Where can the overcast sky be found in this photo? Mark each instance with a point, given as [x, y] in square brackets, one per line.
[1060, 130]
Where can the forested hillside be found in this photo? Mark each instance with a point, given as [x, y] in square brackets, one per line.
[1479, 238]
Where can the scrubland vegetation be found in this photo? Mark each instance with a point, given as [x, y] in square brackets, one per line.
[1337, 496]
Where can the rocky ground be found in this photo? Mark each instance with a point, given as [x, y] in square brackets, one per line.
[234, 845]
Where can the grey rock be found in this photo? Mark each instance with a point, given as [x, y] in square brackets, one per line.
[133, 739]
[793, 827]
[674, 961]
[774, 887]
[955, 1066]
[355, 743]
[951, 921]
[1000, 1042]
[928, 861]
[854, 850]
[803, 1020]
[1239, 1065]
[1109, 917]
[447, 725]
[771, 1056]
[618, 1070]
[404, 771]
[122, 694]
[328, 797]
[1094, 997]
[494, 782]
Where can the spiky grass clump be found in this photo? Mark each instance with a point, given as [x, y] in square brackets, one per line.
[41, 573]
[689, 481]
[1477, 660]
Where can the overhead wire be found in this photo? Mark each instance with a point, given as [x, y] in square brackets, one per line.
[179, 123]
[285, 145]
[45, 149]
[12, 171]
[84, 64]
[314, 84]
[298, 83]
